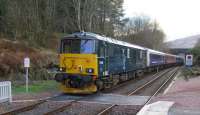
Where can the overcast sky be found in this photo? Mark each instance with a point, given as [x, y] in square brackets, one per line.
[178, 18]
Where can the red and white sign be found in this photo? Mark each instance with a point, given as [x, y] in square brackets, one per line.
[189, 60]
[27, 62]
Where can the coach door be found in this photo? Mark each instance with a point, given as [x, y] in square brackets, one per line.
[103, 60]
[124, 59]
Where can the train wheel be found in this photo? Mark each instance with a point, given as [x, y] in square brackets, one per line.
[99, 84]
[139, 73]
[115, 79]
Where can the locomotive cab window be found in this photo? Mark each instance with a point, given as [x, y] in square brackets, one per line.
[85, 46]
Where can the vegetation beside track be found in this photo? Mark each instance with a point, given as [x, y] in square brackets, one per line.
[12, 54]
[36, 87]
[191, 71]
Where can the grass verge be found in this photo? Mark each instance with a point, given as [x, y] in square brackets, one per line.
[37, 87]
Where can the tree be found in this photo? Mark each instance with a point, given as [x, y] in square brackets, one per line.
[2, 16]
[196, 53]
[35, 20]
[142, 31]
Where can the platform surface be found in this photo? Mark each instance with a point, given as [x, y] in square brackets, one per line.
[185, 93]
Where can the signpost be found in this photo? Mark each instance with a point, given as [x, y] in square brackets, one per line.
[26, 65]
[189, 60]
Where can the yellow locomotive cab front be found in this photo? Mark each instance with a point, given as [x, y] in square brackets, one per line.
[79, 64]
[78, 71]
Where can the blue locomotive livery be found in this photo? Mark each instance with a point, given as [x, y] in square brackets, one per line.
[90, 62]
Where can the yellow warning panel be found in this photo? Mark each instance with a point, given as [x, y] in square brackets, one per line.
[84, 64]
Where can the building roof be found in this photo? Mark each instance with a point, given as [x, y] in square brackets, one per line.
[184, 43]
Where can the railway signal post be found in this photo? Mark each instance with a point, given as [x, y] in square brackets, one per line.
[189, 60]
[26, 65]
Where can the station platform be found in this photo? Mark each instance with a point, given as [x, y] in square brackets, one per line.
[183, 96]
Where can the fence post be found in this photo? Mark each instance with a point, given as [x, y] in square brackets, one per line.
[10, 92]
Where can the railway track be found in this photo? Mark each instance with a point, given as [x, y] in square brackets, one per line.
[108, 109]
[124, 88]
[60, 109]
[63, 108]
[23, 109]
[124, 84]
[66, 106]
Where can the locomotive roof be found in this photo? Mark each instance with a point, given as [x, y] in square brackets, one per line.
[114, 41]
[103, 38]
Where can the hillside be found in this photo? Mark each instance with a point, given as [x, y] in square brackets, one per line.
[184, 43]
[12, 54]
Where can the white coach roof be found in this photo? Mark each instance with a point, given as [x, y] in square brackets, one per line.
[114, 41]
[155, 52]
[107, 39]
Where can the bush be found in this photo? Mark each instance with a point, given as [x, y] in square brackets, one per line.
[12, 54]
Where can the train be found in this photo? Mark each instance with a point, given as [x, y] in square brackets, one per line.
[90, 62]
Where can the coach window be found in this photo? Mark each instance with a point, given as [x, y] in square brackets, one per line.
[141, 54]
[101, 51]
[128, 53]
[111, 51]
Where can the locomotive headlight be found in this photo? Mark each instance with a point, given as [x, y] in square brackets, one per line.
[89, 70]
[62, 69]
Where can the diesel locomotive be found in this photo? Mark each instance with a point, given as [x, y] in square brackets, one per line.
[90, 62]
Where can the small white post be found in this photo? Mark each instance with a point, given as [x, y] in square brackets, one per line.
[26, 65]
[157, 69]
[10, 92]
[26, 79]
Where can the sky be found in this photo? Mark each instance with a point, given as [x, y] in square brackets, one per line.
[177, 18]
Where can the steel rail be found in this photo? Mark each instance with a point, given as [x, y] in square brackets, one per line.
[23, 109]
[27, 108]
[103, 112]
[64, 107]
[60, 109]
[158, 90]
[124, 83]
